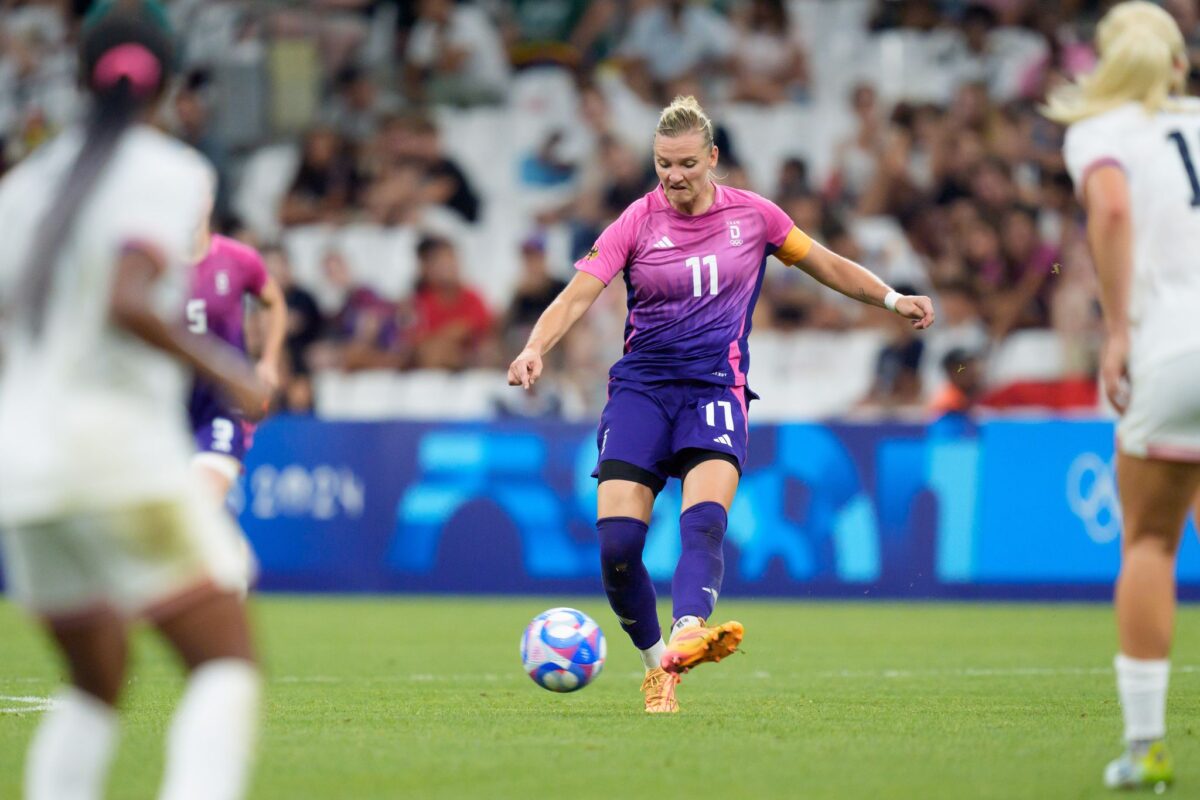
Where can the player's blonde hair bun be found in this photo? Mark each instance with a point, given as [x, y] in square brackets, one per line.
[1139, 45]
[685, 115]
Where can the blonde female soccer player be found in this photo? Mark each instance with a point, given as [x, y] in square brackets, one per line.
[1132, 148]
[692, 254]
[102, 520]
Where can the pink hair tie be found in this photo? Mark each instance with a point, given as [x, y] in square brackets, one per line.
[132, 61]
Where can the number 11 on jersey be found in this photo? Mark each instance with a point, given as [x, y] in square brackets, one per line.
[697, 284]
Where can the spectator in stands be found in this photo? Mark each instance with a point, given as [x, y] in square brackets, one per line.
[409, 150]
[455, 55]
[963, 384]
[980, 248]
[919, 15]
[194, 126]
[567, 33]
[892, 190]
[451, 325]
[37, 78]
[305, 325]
[970, 107]
[1066, 53]
[626, 178]
[794, 179]
[357, 108]
[856, 158]
[1019, 285]
[992, 186]
[964, 150]
[998, 56]
[960, 322]
[770, 65]
[897, 382]
[536, 289]
[326, 185]
[365, 332]
[670, 40]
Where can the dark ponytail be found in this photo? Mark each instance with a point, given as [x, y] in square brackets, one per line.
[125, 57]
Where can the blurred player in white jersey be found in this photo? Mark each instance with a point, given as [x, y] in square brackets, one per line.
[102, 520]
[1133, 150]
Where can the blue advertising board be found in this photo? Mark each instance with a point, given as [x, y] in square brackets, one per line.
[1002, 509]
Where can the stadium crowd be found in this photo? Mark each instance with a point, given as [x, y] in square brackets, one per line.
[420, 177]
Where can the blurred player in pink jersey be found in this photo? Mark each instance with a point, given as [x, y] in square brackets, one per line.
[228, 273]
[692, 254]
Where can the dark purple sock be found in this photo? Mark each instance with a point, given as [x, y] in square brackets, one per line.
[701, 565]
[626, 581]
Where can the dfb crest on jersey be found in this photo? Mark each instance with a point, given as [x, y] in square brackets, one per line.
[222, 281]
[735, 233]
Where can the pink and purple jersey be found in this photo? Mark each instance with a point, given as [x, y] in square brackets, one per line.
[692, 282]
[215, 306]
[219, 283]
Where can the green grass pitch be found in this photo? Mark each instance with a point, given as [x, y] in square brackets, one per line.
[425, 698]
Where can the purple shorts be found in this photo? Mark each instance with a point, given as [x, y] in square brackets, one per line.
[227, 436]
[650, 425]
[217, 428]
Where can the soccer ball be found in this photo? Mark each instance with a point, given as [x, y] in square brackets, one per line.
[563, 649]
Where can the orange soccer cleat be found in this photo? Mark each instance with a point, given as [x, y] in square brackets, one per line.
[698, 644]
[659, 689]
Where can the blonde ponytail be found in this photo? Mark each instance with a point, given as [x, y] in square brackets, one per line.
[1139, 45]
[685, 115]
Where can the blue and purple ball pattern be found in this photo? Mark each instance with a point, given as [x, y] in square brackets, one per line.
[563, 649]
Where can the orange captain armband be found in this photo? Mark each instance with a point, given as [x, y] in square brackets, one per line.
[795, 247]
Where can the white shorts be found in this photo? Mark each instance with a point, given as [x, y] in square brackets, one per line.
[147, 560]
[1162, 420]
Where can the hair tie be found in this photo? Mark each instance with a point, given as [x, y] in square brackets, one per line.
[131, 61]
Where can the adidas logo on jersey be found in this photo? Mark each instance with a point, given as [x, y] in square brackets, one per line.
[724, 439]
[664, 242]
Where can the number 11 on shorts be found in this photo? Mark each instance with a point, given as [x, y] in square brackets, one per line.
[710, 413]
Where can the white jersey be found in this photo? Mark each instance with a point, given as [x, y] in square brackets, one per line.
[1160, 155]
[91, 418]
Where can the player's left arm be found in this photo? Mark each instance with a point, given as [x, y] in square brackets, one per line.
[275, 312]
[851, 279]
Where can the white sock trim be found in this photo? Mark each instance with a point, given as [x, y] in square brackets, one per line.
[686, 621]
[1142, 687]
[652, 655]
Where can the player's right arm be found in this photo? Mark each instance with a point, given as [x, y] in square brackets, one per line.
[1095, 153]
[1110, 238]
[131, 307]
[552, 325]
[594, 271]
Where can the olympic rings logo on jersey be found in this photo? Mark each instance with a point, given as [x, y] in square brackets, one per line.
[735, 233]
[1092, 495]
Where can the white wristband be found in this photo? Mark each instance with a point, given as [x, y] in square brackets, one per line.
[889, 299]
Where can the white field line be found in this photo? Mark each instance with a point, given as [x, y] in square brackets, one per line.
[882, 674]
[28, 704]
[987, 672]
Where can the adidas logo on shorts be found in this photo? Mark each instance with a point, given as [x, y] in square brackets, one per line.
[724, 439]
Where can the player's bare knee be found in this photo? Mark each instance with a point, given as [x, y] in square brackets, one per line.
[216, 628]
[1152, 540]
